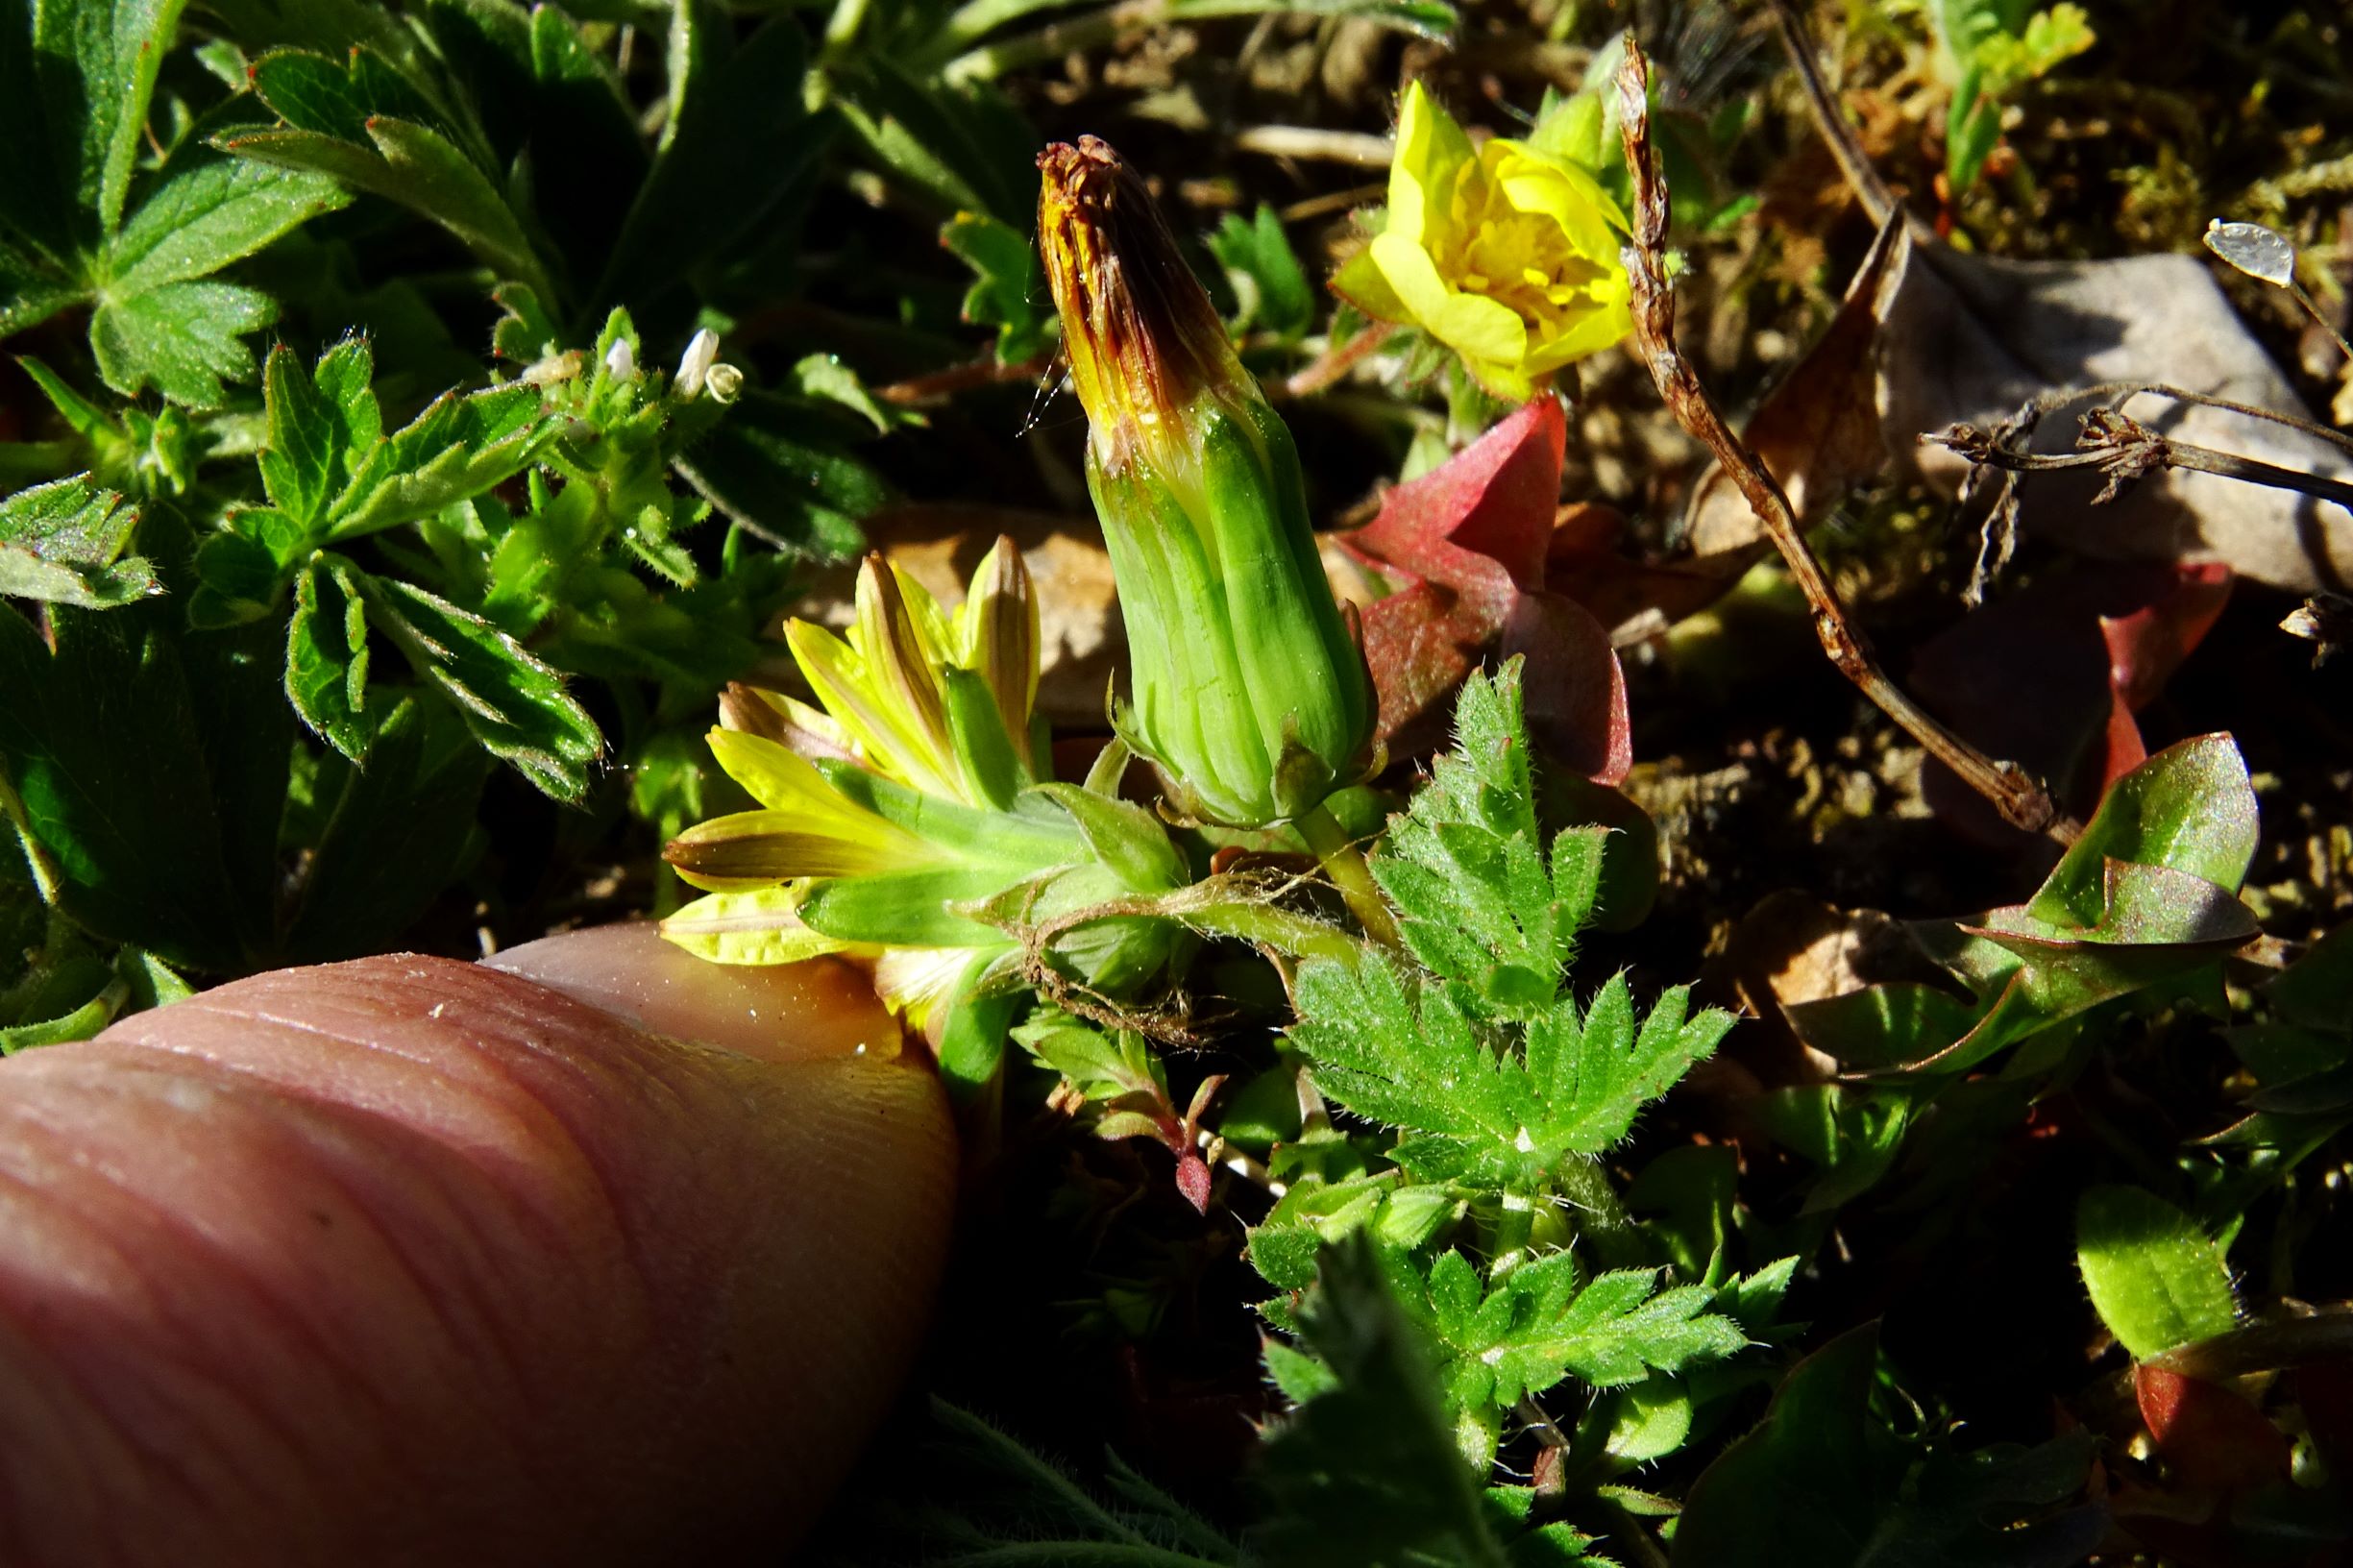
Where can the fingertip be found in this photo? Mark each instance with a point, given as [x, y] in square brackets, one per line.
[819, 1009]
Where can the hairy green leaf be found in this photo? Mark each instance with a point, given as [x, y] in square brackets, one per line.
[1543, 1322]
[513, 703]
[1269, 285]
[1409, 1054]
[64, 542]
[1365, 1471]
[2155, 1277]
[1482, 906]
[206, 215]
[327, 656]
[417, 166]
[183, 338]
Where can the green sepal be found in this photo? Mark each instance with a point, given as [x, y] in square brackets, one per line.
[986, 838]
[1123, 836]
[972, 1049]
[976, 729]
[904, 909]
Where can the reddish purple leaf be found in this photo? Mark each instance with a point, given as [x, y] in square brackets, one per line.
[2216, 1439]
[1466, 548]
[2049, 676]
[1193, 1178]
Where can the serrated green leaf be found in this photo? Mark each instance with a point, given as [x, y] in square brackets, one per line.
[513, 703]
[1409, 1054]
[184, 338]
[207, 214]
[2154, 1277]
[1480, 904]
[299, 463]
[1366, 1470]
[103, 61]
[461, 445]
[327, 657]
[63, 543]
[1542, 1323]
[31, 289]
[418, 167]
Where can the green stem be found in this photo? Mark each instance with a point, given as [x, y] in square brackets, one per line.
[1344, 863]
[1515, 1225]
[1602, 1218]
[1273, 927]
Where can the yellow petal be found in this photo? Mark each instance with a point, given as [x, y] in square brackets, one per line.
[801, 801]
[840, 676]
[748, 849]
[1360, 282]
[761, 927]
[917, 982]
[898, 656]
[1432, 153]
[1472, 326]
[999, 631]
[1588, 219]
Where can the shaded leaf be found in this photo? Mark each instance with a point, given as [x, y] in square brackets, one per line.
[1008, 292]
[327, 657]
[64, 542]
[1365, 1471]
[399, 829]
[515, 704]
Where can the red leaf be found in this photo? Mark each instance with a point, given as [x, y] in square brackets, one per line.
[1193, 1178]
[1465, 545]
[2215, 1439]
[2050, 677]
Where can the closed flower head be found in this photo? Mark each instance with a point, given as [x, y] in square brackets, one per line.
[1250, 692]
[1506, 255]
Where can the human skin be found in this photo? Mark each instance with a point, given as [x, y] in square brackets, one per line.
[596, 1254]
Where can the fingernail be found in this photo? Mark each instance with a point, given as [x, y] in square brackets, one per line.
[824, 1008]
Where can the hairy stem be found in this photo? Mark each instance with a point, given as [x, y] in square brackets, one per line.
[1602, 1218]
[1344, 863]
[1298, 935]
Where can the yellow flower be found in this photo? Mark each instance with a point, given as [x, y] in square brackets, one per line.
[938, 703]
[1504, 253]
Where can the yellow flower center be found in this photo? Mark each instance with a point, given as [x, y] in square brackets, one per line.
[1521, 259]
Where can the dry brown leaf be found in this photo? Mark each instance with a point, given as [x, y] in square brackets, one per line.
[1929, 336]
[1970, 339]
[1818, 430]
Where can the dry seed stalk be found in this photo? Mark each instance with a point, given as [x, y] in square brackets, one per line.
[2020, 798]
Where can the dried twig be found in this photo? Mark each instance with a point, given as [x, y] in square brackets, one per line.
[2020, 798]
[1361, 148]
[2124, 449]
[942, 384]
[1879, 202]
